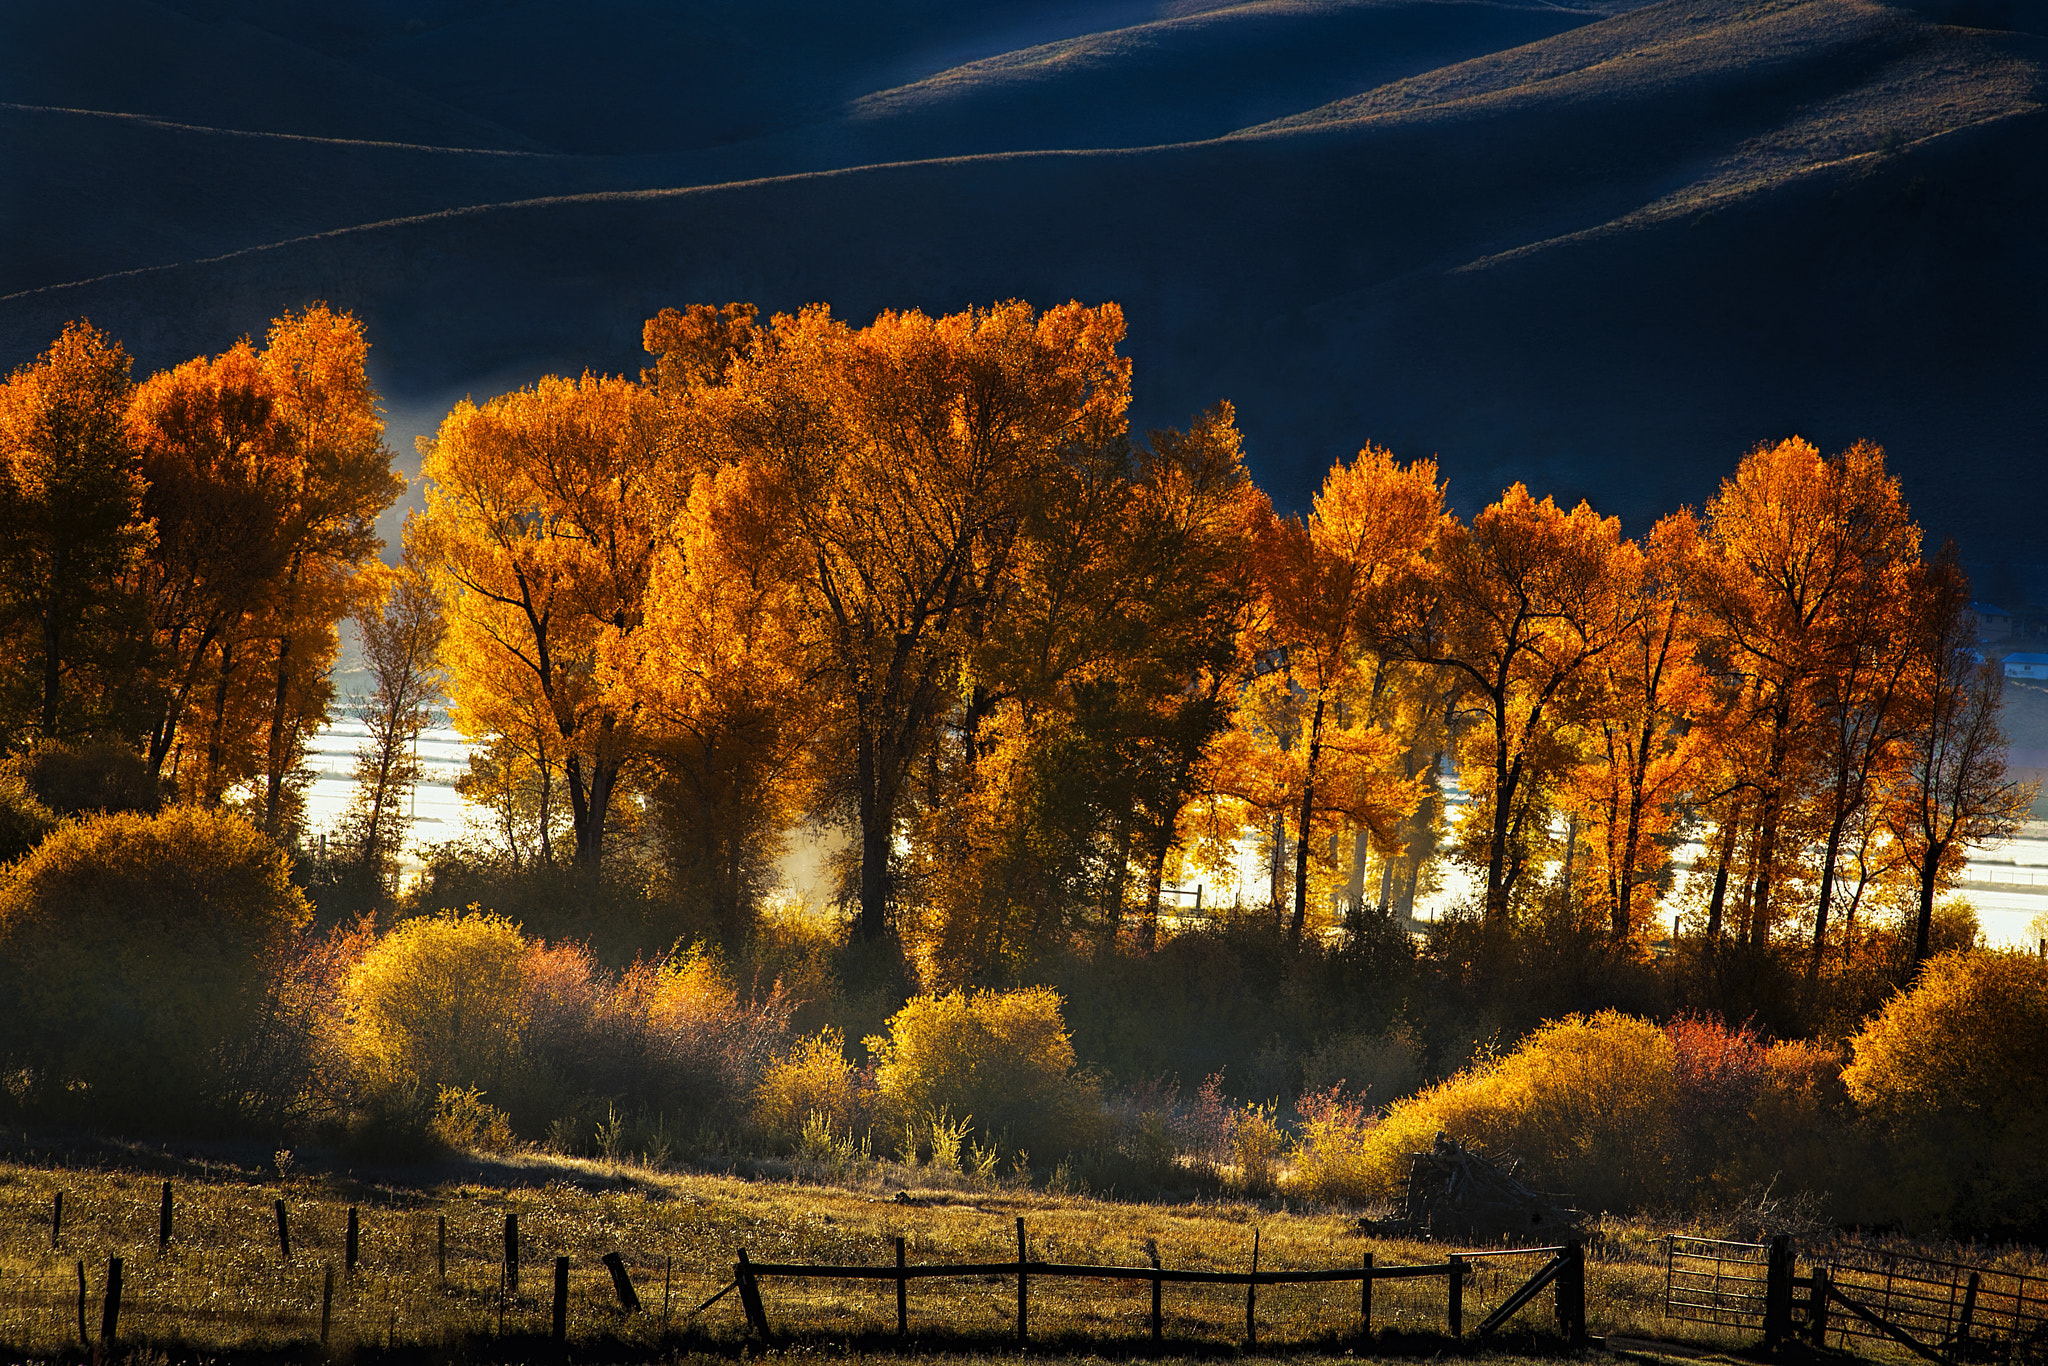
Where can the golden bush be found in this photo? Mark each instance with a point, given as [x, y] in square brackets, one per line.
[139, 960]
[1000, 1057]
[1587, 1102]
[813, 1080]
[1951, 1072]
[1333, 1154]
[438, 1002]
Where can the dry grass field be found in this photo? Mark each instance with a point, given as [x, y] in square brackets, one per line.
[222, 1284]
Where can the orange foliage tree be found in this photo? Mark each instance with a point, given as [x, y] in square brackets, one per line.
[1518, 607]
[1801, 555]
[70, 496]
[901, 459]
[1326, 579]
[543, 518]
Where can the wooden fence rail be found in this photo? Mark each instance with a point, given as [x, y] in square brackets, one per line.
[1565, 1271]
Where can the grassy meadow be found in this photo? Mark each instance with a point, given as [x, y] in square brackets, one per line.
[222, 1284]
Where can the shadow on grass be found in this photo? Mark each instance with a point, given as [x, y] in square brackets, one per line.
[928, 1345]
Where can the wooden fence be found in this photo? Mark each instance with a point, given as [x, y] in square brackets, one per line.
[1565, 1271]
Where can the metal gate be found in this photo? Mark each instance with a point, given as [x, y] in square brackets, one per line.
[1946, 1311]
[1713, 1280]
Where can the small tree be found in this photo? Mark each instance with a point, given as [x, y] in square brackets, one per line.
[1955, 794]
[402, 632]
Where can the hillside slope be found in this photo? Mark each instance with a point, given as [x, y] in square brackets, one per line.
[1605, 262]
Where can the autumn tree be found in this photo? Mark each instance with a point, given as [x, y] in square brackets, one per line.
[401, 630]
[1059, 778]
[1518, 606]
[1327, 578]
[1647, 709]
[70, 495]
[266, 471]
[217, 494]
[542, 521]
[716, 679]
[331, 434]
[902, 457]
[1953, 794]
[1800, 553]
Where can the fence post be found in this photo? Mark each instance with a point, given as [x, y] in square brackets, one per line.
[1365, 1297]
[1152, 1252]
[1251, 1297]
[750, 1295]
[1962, 1346]
[1778, 1292]
[82, 1338]
[1454, 1309]
[1817, 1312]
[354, 1242]
[110, 1308]
[561, 1324]
[326, 1302]
[902, 1293]
[441, 1250]
[1571, 1294]
[512, 1253]
[284, 1233]
[163, 1222]
[56, 1220]
[1022, 1293]
[622, 1284]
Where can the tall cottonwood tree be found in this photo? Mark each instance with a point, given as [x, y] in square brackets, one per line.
[1519, 605]
[70, 500]
[1327, 578]
[902, 458]
[1953, 793]
[217, 494]
[1647, 723]
[544, 514]
[401, 631]
[716, 679]
[1797, 550]
[330, 434]
[266, 471]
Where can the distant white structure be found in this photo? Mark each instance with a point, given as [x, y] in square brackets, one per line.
[2022, 665]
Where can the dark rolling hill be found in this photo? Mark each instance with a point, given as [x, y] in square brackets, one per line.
[1600, 249]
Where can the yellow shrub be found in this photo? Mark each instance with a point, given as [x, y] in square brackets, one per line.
[813, 1080]
[1001, 1057]
[1953, 1072]
[1588, 1104]
[1333, 1156]
[465, 1121]
[1256, 1144]
[139, 957]
[438, 1002]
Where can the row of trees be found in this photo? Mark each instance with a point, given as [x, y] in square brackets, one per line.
[180, 552]
[916, 580]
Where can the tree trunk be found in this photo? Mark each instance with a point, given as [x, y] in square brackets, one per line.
[278, 759]
[873, 921]
[1308, 797]
[1923, 922]
[53, 643]
[1729, 829]
[1827, 890]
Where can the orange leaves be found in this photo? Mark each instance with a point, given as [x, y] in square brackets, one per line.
[544, 516]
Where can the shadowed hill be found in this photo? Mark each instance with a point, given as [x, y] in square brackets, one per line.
[1605, 263]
